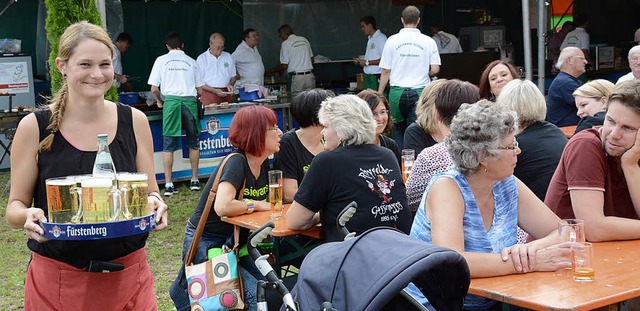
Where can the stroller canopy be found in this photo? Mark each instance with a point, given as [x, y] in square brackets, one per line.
[367, 272]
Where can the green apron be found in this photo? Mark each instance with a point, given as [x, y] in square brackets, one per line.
[370, 82]
[172, 114]
[394, 99]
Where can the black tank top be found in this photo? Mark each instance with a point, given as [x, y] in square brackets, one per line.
[63, 160]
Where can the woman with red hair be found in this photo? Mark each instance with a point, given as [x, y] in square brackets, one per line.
[254, 132]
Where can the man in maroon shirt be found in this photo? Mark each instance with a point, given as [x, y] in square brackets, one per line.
[598, 177]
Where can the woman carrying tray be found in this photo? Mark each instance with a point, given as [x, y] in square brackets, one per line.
[60, 141]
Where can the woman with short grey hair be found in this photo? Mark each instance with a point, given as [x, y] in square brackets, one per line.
[350, 117]
[353, 168]
[476, 207]
[541, 143]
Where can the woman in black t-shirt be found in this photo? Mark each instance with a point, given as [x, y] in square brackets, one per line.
[381, 110]
[254, 131]
[354, 169]
[298, 147]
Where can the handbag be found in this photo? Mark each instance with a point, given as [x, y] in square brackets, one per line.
[215, 284]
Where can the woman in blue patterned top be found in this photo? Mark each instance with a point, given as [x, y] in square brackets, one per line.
[476, 207]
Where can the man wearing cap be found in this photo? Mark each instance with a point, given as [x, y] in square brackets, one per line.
[409, 60]
[217, 70]
[375, 44]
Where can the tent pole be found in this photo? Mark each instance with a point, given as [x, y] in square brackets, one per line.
[102, 8]
[542, 27]
[526, 38]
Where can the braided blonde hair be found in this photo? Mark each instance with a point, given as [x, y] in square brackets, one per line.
[71, 37]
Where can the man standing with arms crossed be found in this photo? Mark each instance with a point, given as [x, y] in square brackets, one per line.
[409, 60]
[598, 177]
[217, 70]
[248, 60]
[177, 75]
[373, 52]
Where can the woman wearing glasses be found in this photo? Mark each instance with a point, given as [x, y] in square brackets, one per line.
[476, 207]
[254, 132]
[384, 123]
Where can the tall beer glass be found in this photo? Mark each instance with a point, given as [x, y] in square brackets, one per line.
[275, 193]
[63, 199]
[134, 190]
[100, 201]
[408, 157]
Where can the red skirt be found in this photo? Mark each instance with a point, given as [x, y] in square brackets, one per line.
[208, 98]
[54, 285]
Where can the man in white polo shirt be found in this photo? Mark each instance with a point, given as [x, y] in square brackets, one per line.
[248, 60]
[634, 65]
[372, 55]
[296, 58]
[217, 70]
[409, 60]
[176, 74]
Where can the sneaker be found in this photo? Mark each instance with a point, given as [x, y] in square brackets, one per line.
[195, 185]
[169, 191]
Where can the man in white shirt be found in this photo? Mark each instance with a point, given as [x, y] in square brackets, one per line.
[248, 60]
[373, 52]
[409, 60]
[634, 65]
[446, 42]
[296, 57]
[122, 44]
[579, 37]
[217, 70]
[176, 74]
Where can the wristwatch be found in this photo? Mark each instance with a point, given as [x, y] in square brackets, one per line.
[250, 205]
[366, 62]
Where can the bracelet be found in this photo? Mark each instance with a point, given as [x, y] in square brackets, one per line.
[153, 194]
[250, 205]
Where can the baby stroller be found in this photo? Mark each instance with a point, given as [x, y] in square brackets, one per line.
[369, 272]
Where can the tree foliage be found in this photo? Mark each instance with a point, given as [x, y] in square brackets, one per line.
[60, 15]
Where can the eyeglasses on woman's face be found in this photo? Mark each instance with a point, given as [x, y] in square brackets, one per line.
[513, 146]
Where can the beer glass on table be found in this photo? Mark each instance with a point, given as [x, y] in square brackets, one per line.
[571, 230]
[408, 157]
[582, 257]
[275, 193]
[63, 200]
[134, 190]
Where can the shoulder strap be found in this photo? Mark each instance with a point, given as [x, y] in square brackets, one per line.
[207, 208]
[43, 116]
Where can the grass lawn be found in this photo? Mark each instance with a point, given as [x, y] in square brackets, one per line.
[163, 248]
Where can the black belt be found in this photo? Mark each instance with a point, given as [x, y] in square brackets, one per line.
[301, 73]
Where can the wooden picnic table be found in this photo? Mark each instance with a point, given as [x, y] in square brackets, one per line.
[568, 130]
[617, 279]
[257, 219]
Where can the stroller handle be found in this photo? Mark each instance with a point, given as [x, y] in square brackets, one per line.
[265, 268]
[344, 217]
